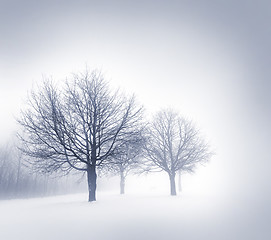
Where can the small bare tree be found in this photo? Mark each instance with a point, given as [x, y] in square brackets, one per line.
[173, 144]
[125, 160]
[77, 128]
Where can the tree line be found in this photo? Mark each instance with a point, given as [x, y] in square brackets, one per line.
[18, 180]
[83, 125]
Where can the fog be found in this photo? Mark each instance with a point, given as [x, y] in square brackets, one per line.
[208, 60]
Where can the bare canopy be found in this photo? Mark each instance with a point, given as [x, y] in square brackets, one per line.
[172, 144]
[126, 160]
[78, 127]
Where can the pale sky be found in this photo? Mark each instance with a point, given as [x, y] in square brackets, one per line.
[208, 60]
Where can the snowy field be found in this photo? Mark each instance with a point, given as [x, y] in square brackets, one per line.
[133, 216]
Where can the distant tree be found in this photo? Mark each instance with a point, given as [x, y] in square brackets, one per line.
[7, 171]
[15, 179]
[79, 127]
[173, 144]
[125, 160]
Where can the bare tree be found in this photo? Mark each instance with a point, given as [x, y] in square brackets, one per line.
[125, 160]
[173, 144]
[7, 171]
[15, 178]
[77, 128]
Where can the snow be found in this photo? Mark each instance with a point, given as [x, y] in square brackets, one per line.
[132, 216]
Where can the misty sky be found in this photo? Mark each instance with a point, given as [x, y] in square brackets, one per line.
[207, 59]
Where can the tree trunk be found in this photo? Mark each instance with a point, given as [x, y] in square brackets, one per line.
[92, 177]
[122, 182]
[172, 184]
[18, 177]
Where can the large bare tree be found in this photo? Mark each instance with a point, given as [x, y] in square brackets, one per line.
[173, 144]
[78, 127]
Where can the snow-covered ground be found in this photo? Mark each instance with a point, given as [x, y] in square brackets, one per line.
[133, 216]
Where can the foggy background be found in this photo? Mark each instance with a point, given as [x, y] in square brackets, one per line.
[207, 59]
